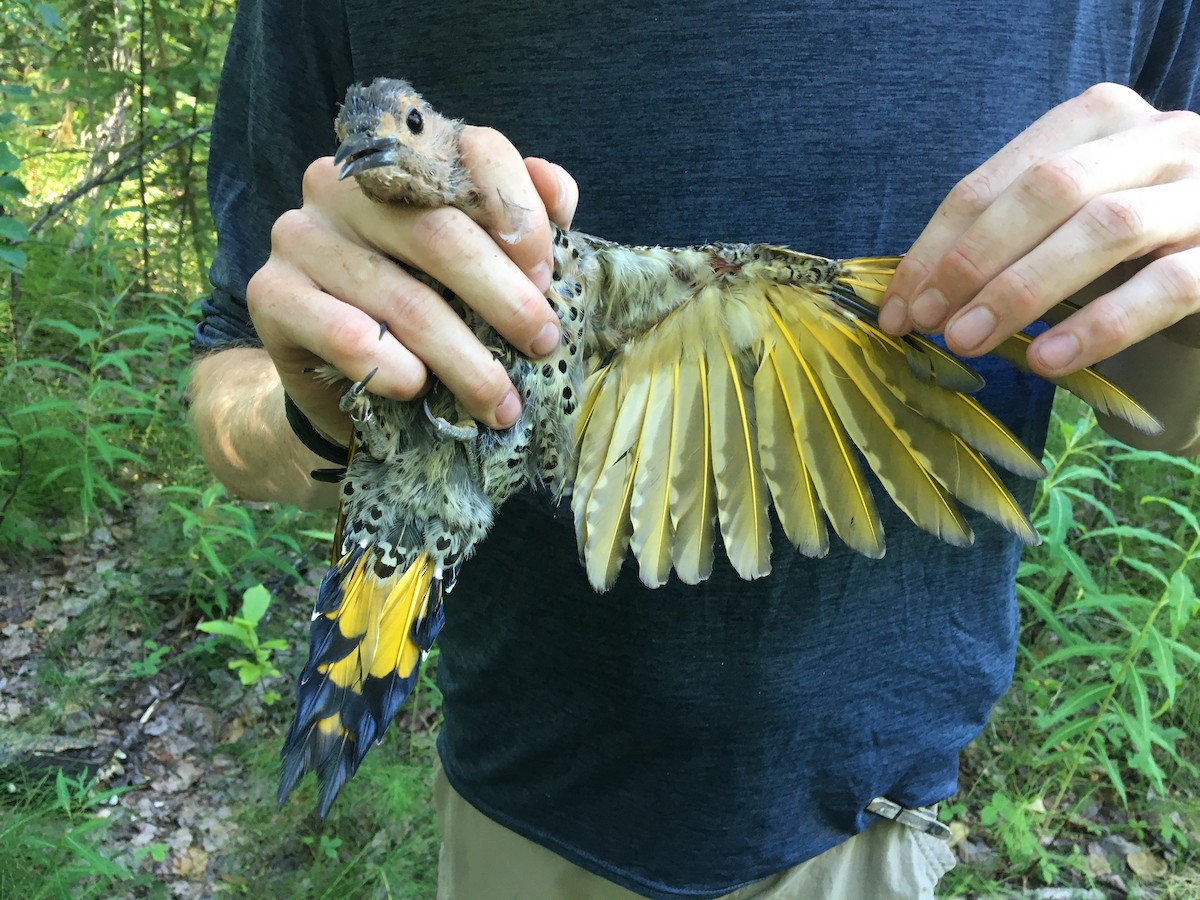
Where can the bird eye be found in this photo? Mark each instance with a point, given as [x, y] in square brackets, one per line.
[414, 121]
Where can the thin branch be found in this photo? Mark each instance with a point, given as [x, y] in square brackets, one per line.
[121, 169]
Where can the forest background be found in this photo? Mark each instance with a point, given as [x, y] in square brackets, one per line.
[150, 625]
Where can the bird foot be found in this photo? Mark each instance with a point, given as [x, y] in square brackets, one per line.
[356, 401]
[465, 431]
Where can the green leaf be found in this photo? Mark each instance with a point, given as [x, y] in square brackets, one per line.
[227, 629]
[1088, 649]
[13, 257]
[1145, 568]
[9, 161]
[13, 229]
[1164, 661]
[1065, 733]
[1060, 517]
[1141, 706]
[1181, 601]
[1134, 533]
[255, 601]
[49, 16]
[1089, 695]
[1179, 509]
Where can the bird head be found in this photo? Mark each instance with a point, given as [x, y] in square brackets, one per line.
[399, 148]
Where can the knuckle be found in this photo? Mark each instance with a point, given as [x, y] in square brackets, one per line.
[487, 386]
[1111, 325]
[1022, 290]
[962, 264]
[1110, 97]
[440, 233]
[345, 341]
[318, 176]
[1113, 219]
[526, 316]
[974, 193]
[1180, 280]
[408, 305]
[1060, 181]
[288, 228]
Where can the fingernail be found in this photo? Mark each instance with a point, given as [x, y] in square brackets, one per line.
[546, 340]
[509, 410]
[894, 315]
[541, 276]
[1058, 351]
[929, 310]
[972, 328]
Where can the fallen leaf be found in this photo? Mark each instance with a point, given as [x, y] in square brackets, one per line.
[193, 863]
[958, 833]
[1097, 862]
[1147, 864]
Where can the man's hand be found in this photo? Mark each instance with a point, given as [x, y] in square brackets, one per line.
[332, 293]
[1101, 182]
[331, 280]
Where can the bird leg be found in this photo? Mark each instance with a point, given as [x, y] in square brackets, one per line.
[465, 431]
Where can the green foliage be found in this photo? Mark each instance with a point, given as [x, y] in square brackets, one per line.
[152, 663]
[1104, 705]
[81, 419]
[242, 631]
[226, 542]
[1110, 627]
[384, 844]
[51, 841]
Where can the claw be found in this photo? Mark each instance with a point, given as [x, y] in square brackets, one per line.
[355, 401]
[445, 431]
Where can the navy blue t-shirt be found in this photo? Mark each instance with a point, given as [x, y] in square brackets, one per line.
[685, 741]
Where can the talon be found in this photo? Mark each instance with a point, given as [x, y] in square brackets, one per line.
[355, 401]
[383, 327]
[445, 431]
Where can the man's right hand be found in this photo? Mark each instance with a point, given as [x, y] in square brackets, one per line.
[332, 279]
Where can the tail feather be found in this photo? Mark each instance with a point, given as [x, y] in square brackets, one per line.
[371, 627]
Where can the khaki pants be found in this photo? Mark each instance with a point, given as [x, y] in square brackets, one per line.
[481, 860]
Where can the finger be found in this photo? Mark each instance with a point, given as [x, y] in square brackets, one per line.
[557, 189]
[414, 317]
[1108, 230]
[1097, 112]
[512, 211]
[1045, 196]
[446, 244]
[1164, 293]
[302, 326]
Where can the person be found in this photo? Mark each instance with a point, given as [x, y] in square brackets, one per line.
[724, 738]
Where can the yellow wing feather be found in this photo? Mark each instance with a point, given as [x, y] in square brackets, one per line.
[741, 493]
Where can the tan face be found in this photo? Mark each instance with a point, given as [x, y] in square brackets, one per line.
[397, 147]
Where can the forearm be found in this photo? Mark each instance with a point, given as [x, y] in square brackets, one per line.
[238, 414]
[1164, 375]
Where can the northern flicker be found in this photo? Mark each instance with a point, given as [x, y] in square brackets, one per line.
[692, 389]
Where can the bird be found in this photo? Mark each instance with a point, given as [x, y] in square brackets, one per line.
[693, 390]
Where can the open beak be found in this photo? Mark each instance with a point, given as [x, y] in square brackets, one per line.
[360, 152]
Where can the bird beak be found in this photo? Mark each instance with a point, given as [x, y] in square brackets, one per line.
[360, 152]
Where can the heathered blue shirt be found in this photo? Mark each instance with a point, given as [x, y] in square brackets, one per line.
[686, 741]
